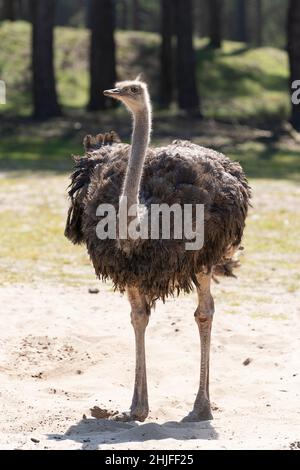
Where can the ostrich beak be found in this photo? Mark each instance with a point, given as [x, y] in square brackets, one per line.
[114, 93]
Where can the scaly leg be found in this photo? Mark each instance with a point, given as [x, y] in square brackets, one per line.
[140, 313]
[203, 316]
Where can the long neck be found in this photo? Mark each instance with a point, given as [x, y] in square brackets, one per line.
[139, 144]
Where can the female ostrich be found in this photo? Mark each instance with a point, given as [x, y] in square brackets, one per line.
[148, 270]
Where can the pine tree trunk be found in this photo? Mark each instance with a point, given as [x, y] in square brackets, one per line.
[293, 46]
[201, 18]
[102, 54]
[215, 23]
[8, 10]
[124, 15]
[188, 98]
[23, 9]
[88, 13]
[241, 33]
[166, 54]
[136, 15]
[259, 22]
[44, 87]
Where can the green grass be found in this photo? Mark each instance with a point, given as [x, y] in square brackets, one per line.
[266, 161]
[27, 152]
[241, 84]
[37, 154]
[33, 245]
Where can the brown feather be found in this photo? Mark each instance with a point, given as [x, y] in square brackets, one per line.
[181, 173]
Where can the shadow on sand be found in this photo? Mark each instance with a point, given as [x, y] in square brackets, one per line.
[92, 433]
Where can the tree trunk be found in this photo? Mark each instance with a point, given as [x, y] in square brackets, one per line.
[44, 88]
[259, 23]
[88, 13]
[293, 46]
[124, 15]
[8, 10]
[136, 26]
[241, 33]
[102, 54]
[188, 98]
[201, 18]
[215, 23]
[166, 54]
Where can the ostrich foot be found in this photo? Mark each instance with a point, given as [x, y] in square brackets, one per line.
[134, 415]
[201, 412]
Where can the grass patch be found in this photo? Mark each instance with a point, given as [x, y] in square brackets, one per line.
[33, 245]
[242, 84]
[34, 153]
[264, 160]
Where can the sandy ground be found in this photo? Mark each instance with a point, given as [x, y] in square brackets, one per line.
[63, 351]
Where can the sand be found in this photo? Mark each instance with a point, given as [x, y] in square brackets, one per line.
[64, 351]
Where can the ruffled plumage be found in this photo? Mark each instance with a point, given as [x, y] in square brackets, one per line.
[182, 173]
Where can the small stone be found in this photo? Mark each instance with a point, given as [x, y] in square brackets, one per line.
[83, 416]
[36, 441]
[93, 290]
[247, 361]
[38, 376]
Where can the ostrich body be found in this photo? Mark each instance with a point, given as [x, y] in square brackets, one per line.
[182, 173]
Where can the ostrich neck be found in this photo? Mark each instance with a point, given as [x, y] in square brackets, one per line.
[139, 144]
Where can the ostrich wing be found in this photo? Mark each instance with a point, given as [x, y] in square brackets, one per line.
[98, 149]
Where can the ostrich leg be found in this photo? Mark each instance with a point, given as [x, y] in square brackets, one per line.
[140, 313]
[203, 316]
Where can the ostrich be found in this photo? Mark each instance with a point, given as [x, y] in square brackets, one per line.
[147, 270]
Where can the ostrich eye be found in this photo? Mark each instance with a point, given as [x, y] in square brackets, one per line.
[134, 89]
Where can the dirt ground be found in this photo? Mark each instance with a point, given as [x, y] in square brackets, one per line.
[64, 350]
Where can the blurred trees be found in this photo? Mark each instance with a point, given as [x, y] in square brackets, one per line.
[293, 46]
[215, 23]
[259, 23]
[44, 89]
[122, 14]
[72, 12]
[14, 9]
[166, 88]
[178, 65]
[188, 98]
[7, 10]
[102, 53]
[136, 26]
[240, 21]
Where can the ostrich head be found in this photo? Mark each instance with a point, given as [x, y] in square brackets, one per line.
[133, 93]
